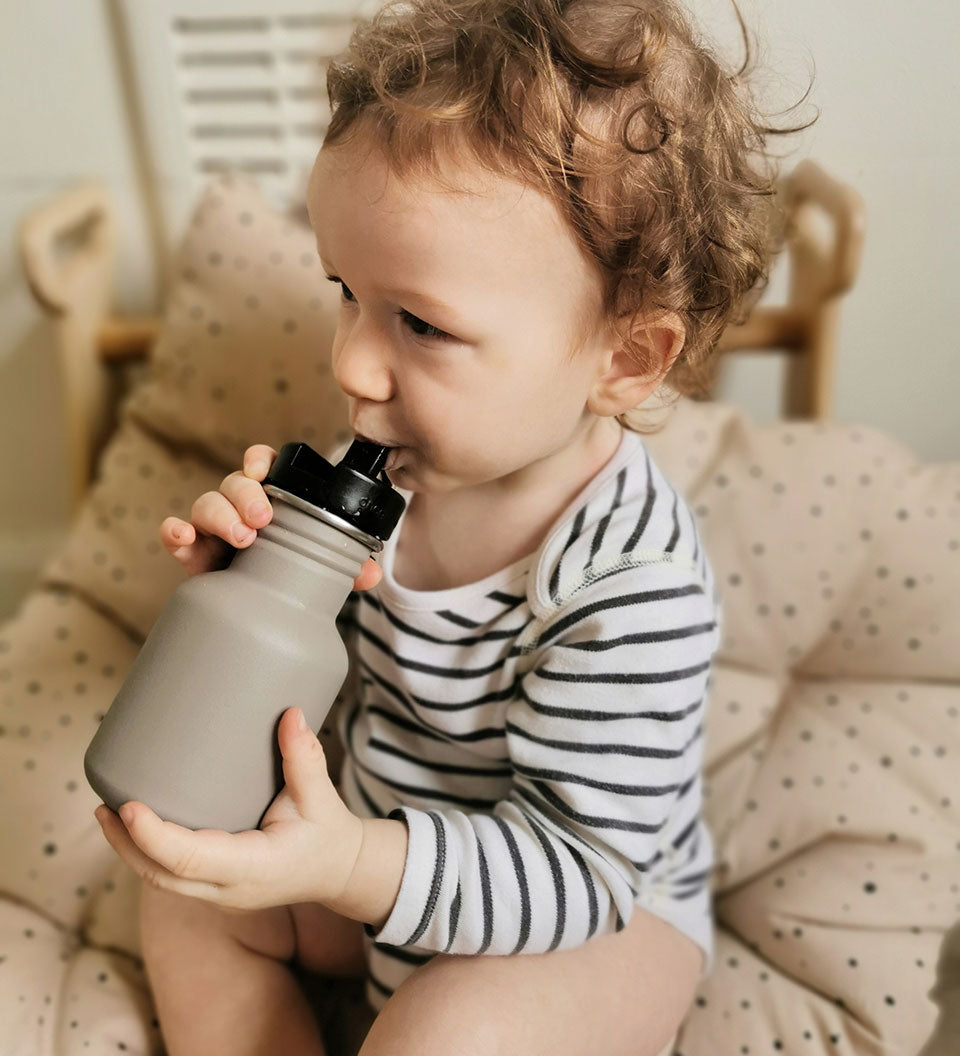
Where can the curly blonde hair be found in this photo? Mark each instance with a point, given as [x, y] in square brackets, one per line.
[652, 150]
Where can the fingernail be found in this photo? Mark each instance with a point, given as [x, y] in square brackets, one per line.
[241, 532]
[301, 721]
[126, 812]
[259, 469]
[181, 551]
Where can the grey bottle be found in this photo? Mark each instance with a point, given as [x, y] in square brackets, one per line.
[193, 730]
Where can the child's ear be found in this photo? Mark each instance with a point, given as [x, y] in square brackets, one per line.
[634, 361]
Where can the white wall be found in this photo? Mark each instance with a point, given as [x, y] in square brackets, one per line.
[884, 79]
[63, 116]
[886, 84]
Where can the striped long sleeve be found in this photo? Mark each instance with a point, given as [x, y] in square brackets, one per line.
[604, 731]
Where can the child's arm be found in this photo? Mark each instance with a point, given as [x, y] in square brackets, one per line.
[605, 735]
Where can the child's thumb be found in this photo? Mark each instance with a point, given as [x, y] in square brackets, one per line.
[304, 762]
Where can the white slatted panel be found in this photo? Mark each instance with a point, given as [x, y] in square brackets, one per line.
[233, 85]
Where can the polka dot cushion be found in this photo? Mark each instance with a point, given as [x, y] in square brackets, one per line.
[63, 995]
[831, 739]
[244, 354]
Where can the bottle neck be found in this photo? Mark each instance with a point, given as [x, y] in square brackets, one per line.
[309, 561]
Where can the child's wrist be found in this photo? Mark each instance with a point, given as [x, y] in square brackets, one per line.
[371, 891]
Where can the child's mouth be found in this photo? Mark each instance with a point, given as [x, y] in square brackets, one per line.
[392, 456]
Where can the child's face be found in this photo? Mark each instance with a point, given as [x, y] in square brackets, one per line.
[496, 270]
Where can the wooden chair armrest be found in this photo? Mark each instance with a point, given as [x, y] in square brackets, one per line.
[123, 338]
[51, 235]
[806, 327]
[68, 248]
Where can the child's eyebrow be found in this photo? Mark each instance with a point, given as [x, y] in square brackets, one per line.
[423, 298]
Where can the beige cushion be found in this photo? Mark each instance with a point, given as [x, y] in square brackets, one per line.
[244, 355]
[831, 740]
[834, 729]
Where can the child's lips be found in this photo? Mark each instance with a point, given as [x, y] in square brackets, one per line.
[370, 440]
[393, 454]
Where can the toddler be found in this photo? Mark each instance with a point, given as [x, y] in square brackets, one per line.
[534, 210]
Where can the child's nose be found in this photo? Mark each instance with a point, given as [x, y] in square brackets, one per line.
[361, 365]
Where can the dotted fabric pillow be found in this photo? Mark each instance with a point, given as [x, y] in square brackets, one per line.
[244, 352]
[832, 737]
[243, 357]
[837, 551]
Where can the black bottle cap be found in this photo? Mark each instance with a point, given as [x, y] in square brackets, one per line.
[350, 489]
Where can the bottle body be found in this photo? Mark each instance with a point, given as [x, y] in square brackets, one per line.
[193, 730]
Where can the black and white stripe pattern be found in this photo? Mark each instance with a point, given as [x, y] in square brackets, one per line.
[540, 733]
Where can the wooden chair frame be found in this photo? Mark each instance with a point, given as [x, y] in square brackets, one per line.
[68, 249]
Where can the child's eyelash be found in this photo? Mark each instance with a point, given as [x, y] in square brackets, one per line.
[431, 331]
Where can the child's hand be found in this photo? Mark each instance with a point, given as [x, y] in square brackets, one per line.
[304, 850]
[221, 517]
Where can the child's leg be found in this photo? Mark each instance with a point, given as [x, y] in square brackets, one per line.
[219, 979]
[622, 994]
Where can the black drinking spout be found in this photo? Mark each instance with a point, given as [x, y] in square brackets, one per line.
[366, 457]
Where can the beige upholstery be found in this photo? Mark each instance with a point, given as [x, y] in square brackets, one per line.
[832, 738]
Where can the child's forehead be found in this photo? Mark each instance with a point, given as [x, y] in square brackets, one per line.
[472, 234]
[463, 197]
[452, 168]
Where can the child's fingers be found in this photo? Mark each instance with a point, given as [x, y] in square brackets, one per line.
[232, 516]
[247, 499]
[195, 550]
[149, 870]
[214, 514]
[257, 460]
[182, 542]
[370, 575]
[203, 554]
[251, 499]
[175, 533]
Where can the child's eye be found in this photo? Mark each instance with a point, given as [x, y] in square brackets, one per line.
[408, 317]
[429, 331]
[344, 288]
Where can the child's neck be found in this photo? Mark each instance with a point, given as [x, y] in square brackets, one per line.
[452, 538]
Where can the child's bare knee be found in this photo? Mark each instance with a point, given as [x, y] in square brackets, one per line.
[442, 1009]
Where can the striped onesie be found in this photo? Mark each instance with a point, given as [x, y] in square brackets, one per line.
[540, 733]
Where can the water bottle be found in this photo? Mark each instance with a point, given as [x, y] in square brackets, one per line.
[192, 732]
